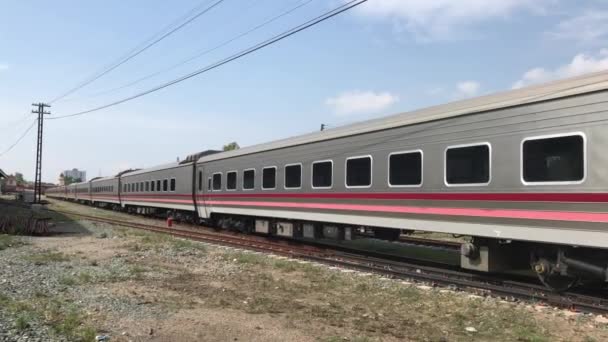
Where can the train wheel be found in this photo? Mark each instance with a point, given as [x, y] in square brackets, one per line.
[550, 275]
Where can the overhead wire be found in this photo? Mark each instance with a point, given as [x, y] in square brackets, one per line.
[137, 51]
[298, 5]
[20, 138]
[321, 18]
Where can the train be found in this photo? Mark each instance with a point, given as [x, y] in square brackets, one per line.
[523, 173]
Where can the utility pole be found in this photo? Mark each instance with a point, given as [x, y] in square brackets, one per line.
[38, 182]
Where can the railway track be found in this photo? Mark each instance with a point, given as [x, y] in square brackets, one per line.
[374, 263]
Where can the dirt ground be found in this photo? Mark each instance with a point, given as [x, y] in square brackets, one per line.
[138, 286]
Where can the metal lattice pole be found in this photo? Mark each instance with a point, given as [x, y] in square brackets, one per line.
[38, 180]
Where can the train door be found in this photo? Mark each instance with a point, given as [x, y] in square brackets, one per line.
[199, 191]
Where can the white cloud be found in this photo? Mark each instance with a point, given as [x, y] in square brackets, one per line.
[442, 19]
[360, 102]
[588, 27]
[467, 89]
[580, 64]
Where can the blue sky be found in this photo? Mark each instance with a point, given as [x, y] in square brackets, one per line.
[384, 57]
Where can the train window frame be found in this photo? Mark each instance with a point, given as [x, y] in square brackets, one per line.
[285, 176]
[147, 186]
[550, 136]
[371, 172]
[166, 185]
[388, 171]
[236, 180]
[243, 180]
[172, 184]
[153, 186]
[312, 174]
[445, 164]
[200, 180]
[275, 177]
[213, 181]
[158, 185]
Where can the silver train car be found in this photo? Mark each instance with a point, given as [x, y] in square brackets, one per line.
[524, 173]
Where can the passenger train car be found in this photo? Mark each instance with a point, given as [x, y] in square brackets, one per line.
[523, 172]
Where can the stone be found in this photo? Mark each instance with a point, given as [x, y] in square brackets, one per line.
[470, 329]
[601, 319]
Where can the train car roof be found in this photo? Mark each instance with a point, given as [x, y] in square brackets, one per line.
[99, 179]
[155, 168]
[557, 89]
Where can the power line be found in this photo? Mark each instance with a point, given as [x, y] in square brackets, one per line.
[20, 138]
[136, 52]
[327, 15]
[204, 52]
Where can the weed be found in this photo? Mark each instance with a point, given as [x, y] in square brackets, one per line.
[67, 280]
[285, 266]
[22, 322]
[245, 258]
[181, 245]
[84, 277]
[7, 241]
[44, 258]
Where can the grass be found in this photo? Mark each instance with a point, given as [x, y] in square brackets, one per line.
[7, 241]
[366, 308]
[47, 257]
[63, 317]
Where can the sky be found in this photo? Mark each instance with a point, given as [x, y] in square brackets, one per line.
[381, 58]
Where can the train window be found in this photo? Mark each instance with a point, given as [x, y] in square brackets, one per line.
[147, 186]
[136, 187]
[231, 180]
[152, 183]
[127, 188]
[269, 178]
[141, 186]
[322, 174]
[217, 181]
[200, 181]
[293, 176]
[158, 185]
[467, 164]
[553, 159]
[359, 172]
[405, 168]
[165, 184]
[209, 183]
[249, 179]
[172, 184]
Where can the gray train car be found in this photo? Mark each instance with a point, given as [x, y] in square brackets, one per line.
[105, 191]
[82, 192]
[57, 192]
[524, 170]
[167, 187]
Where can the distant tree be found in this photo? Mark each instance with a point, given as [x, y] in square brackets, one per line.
[19, 178]
[231, 146]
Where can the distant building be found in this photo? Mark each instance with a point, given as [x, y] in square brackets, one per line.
[10, 184]
[75, 174]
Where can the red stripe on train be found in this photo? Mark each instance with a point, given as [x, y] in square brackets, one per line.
[493, 213]
[439, 196]
[506, 197]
